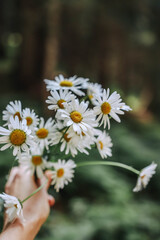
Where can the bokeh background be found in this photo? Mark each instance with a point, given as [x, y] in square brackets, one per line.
[115, 43]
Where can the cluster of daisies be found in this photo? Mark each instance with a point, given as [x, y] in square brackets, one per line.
[80, 108]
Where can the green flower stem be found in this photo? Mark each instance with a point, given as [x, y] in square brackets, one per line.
[115, 164]
[32, 194]
[84, 98]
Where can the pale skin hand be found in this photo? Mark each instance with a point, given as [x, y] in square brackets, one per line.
[35, 210]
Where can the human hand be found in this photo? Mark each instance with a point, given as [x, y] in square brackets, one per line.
[36, 209]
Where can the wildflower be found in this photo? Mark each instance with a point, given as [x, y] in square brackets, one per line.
[104, 144]
[57, 100]
[78, 115]
[108, 106]
[13, 206]
[93, 90]
[31, 118]
[12, 109]
[144, 177]
[70, 141]
[17, 136]
[63, 173]
[73, 84]
[43, 133]
[34, 161]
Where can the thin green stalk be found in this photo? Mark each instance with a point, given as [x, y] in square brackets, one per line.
[84, 98]
[37, 190]
[115, 164]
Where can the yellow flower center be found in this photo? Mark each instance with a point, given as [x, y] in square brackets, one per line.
[90, 96]
[101, 145]
[15, 205]
[37, 160]
[76, 116]
[143, 176]
[17, 137]
[60, 103]
[42, 133]
[66, 137]
[106, 108]
[66, 83]
[60, 172]
[29, 121]
[18, 115]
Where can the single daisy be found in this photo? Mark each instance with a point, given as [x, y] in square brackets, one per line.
[63, 173]
[94, 89]
[73, 84]
[70, 141]
[67, 144]
[12, 109]
[108, 106]
[31, 118]
[56, 99]
[44, 133]
[104, 144]
[17, 136]
[34, 161]
[78, 115]
[144, 177]
[13, 207]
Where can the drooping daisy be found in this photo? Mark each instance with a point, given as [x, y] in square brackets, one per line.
[78, 115]
[56, 99]
[94, 89]
[108, 106]
[34, 161]
[12, 109]
[17, 136]
[104, 144]
[73, 84]
[13, 207]
[44, 133]
[63, 173]
[31, 118]
[144, 177]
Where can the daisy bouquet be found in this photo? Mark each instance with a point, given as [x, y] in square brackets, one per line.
[79, 108]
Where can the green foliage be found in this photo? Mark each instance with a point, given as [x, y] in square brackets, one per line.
[99, 204]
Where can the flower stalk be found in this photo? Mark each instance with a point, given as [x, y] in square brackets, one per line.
[33, 193]
[110, 163]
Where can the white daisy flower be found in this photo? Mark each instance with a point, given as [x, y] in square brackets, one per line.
[65, 141]
[108, 106]
[44, 133]
[144, 177]
[104, 144]
[70, 141]
[31, 118]
[13, 206]
[94, 89]
[17, 136]
[12, 109]
[78, 115]
[73, 84]
[34, 161]
[63, 173]
[56, 99]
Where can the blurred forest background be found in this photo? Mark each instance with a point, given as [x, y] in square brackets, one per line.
[115, 43]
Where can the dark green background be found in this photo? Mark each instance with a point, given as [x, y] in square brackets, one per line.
[115, 43]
